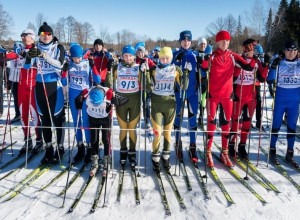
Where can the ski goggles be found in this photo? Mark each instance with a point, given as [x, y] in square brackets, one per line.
[291, 49]
[46, 33]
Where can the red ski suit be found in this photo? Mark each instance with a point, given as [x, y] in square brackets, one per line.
[220, 90]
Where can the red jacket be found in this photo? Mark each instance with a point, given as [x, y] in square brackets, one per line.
[149, 61]
[222, 72]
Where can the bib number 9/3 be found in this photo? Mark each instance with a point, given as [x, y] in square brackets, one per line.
[128, 84]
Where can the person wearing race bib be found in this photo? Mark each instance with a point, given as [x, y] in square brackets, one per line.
[165, 77]
[244, 103]
[286, 74]
[220, 91]
[49, 56]
[126, 78]
[81, 74]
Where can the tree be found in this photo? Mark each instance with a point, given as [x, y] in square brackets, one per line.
[60, 29]
[70, 27]
[257, 18]
[39, 20]
[292, 20]
[31, 26]
[214, 27]
[6, 23]
[230, 24]
[88, 32]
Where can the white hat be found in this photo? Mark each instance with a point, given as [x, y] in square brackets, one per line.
[29, 32]
[202, 41]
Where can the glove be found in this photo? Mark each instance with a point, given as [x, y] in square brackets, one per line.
[66, 67]
[35, 52]
[207, 56]
[199, 61]
[2, 49]
[179, 57]
[119, 99]
[255, 57]
[267, 58]
[91, 61]
[208, 49]
[276, 62]
[79, 101]
[109, 64]
[188, 66]
[144, 67]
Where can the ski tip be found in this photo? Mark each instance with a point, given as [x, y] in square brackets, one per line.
[138, 202]
[168, 213]
[70, 210]
[92, 211]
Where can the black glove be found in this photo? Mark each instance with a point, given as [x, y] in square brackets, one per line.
[119, 99]
[199, 61]
[66, 67]
[91, 61]
[276, 62]
[267, 58]
[207, 56]
[179, 57]
[34, 52]
[79, 101]
[109, 64]
[255, 57]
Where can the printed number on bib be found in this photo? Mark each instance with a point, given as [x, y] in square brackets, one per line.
[290, 80]
[77, 80]
[128, 84]
[163, 86]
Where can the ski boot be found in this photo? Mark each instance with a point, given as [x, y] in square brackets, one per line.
[106, 161]
[58, 155]
[210, 162]
[243, 155]
[258, 124]
[123, 157]
[178, 149]
[15, 119]
[231, 150]
[165, 158]
[193, 154]
[132, 158]
[273, 157]
[87, 158]
[48, 155]
[155, 162]
[95, 165]
[80, 153]
[290, 158]
[38, 146]
[28, 142]
[225, 159]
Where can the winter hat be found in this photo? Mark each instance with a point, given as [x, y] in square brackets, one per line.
[29, 32]
[258, 49]
[166, 51]
[18, 47]
[98, 41]
[128, 49]
[185, 35]
[45, 28]
[248, 45]
[291, 45]
[141, 48]
[76, 50]
[139, 44]
[157, 49]
[202, 41]
[96, 96]
[222, 35]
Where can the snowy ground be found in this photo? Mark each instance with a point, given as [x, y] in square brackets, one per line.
[33, 204]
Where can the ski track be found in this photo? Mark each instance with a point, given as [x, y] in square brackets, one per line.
[32, 203]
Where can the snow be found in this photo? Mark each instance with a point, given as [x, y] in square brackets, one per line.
[32, 203]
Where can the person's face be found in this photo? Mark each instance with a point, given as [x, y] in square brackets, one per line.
[202, 46]
[46, 37]
[98, 47]
[27, 39]
[128, 58]
[140, 54]
[76, 60]
[223, 44]
[185, 44]
[165, 60]
[290, 54]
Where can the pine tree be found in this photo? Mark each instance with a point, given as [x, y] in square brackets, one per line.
[268, 30]
[292, 20]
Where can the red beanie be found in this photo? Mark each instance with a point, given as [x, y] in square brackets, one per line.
[222, 35]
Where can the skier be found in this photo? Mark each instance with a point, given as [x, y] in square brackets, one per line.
[126, 76]
[80, 77]
[286, 74]
[155, 57]
[220, 91]
[165, 77]
[49, 56]
[245, 98]
[182, 58]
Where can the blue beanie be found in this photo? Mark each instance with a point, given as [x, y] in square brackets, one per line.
[128, 49]
[18, 47]
[76, 50]
[139, 44]
[157, 49]
[96, 96]
[185, 35]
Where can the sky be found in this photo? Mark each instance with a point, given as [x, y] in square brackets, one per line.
[163, 19]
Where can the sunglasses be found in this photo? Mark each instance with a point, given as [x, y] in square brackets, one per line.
[46, 33]
[291, 49]
[24, 35]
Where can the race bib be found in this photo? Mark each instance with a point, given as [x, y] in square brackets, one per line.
[289, 75]
[128, 79]
[79, 76]
[96, 111]
[164, 81]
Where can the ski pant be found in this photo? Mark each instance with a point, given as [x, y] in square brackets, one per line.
[224, 117]
[242, 114]
[54, 95]
[291, 108]
[162, 112]
[146, 97]
[26, 102]
[14, 88]
[192, 104]
[128, 116]
[96, 125]
[83, 118]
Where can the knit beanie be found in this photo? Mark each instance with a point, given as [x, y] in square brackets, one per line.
[166, 51]
[128, 49]
[98, 41]
[76, 50]
[222, 35]
[185, 35]
[45, 28]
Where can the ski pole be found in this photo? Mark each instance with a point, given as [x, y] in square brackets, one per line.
[28, 117]
[141, 106]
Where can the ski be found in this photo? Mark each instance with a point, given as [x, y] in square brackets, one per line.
[283, 158]
[244, 167]
[175, 189]
[14, 128]
[163, 195]
[11, 144]
[98, 194]
[135, 185]
[241, 180]
[283, 171]
[120, 186]
[200, 178]
[185, 175]
[218, 181]
[78, 173]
